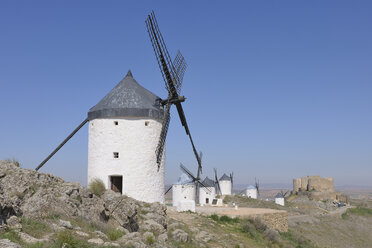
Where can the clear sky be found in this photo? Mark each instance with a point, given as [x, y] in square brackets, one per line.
[275, 89]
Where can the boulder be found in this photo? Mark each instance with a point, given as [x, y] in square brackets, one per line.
[8, 244]
[180, 235]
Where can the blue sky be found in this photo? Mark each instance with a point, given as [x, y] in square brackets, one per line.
[275, 89]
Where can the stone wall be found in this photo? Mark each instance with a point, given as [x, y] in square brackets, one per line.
[278, 221]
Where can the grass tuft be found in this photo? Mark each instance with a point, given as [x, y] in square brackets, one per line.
[114, 234]
[224, 219]
[97, 186]
[34, 228]
[69, 239]
[13, 161]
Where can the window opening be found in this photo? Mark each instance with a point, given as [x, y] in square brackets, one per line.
[116, 155]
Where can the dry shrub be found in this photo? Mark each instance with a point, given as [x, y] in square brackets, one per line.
[97, 186]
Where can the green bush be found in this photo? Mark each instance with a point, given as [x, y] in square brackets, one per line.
[114, 234]
[215, 217]
[69, 238]
[150, 240]
[97, 187]
[271, 235]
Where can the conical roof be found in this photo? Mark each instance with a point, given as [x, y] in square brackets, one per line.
[184, 179]
[208, 182]
[127, 99]
[251, 187]
[225, 178]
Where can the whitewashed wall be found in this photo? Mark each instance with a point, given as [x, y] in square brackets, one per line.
[136, 144]
[251, 193]
[204, 194]
[225, 187]
[279, 201]
[182, 192]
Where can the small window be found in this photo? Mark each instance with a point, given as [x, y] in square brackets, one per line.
[116, 155]
[116, 123]
[147, 123]
[207, 200]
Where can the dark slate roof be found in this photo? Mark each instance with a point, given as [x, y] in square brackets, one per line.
[208, 182]
[279, 195]
[225, 178]
[127, 99]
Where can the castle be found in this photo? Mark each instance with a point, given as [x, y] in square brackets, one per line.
[317, 188]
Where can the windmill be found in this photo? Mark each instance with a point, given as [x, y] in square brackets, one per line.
[257, 185]
[172, 74]
[130, 104]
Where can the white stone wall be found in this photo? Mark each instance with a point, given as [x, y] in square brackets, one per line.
[279, 201]
[182, 192]
[251, 193]
[225, 187]
[204, 194]
[136, 144]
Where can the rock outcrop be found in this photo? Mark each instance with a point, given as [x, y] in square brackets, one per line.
[32, 194]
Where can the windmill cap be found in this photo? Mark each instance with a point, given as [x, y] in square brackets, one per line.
[208, 182]
[225, 178]
[251, 187]
[183, 179]
[279, 195]
[128, 99]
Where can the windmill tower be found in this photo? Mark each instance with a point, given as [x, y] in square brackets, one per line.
[207, 192]
[251, 192]
[183, 189]
[225, 185]
[124, 129]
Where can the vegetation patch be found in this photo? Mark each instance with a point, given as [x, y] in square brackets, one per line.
[296, 240]
[97, 186]
[34, 228]
[224, 219]
[114, 234]
[69, 239]
[13, 161]
[12, 236]
[360, 211]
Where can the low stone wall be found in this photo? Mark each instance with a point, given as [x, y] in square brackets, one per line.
[278, 221]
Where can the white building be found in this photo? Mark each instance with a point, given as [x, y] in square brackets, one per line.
[251, 192]
[279, 199]
[225, 185]
[183, 190]
[207, 193]
[124, 130]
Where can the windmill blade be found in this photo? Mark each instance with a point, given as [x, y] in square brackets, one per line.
[184, 124]
[168, 190]
[162, 55]
[184, 169]
[257, 184]
[168, 72]
[199, 167]
[163, 135]
[205, 188]
[180, 65]
[231, 178]
[62, 144]
[217, 182]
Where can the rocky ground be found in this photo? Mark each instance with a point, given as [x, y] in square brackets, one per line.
[39, 210]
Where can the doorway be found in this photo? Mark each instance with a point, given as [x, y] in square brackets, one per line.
[117, 184]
